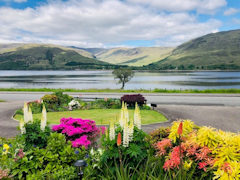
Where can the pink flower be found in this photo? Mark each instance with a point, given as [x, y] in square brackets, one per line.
[202, 165]
[82, 141]
[76, 130]
[162, 145]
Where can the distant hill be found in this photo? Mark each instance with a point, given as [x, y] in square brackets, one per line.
[213, 51]
[33, 56]
[131, 56]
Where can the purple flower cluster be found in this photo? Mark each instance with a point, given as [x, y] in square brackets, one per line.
[79, 131]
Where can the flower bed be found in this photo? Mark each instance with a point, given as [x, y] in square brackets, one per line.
[124, 151]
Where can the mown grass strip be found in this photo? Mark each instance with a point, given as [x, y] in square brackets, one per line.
[101, 116]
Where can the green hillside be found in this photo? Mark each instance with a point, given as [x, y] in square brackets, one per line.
[213, 51]
[47, 57]
[132, 56]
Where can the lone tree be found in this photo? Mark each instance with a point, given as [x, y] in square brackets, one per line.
[124, 76]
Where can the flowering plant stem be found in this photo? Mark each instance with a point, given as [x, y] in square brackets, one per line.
[180, 155]
[120, 161]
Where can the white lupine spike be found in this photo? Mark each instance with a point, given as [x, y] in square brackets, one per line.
[130, 130]
[30, 115]
[112, 131]
[126, 113]
[44, 118]
[125, 135]
[25, 113]
[121, 118]
[137, 117]
[21, 125]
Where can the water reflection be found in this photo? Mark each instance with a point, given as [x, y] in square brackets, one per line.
[104, 79]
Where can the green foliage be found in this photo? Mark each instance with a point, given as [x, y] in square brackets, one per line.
[135, 154]
[36, 107]
[34, 136]
[55, 161]
[56, 101]
[105, 104]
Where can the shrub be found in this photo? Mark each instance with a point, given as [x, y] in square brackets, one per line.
[63, 99]
[80, 132]
[34, 136]
[51, 102]
[158, 135]
[36, 107]
[105, 104]
[55, 161]
[132, 99]
[56, 101]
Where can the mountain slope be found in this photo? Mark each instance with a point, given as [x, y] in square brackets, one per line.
[131, 56]
[15, 46]
[213, 51]
[46, 57]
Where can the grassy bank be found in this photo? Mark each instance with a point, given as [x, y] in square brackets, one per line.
[126, 91]
[2, 100]
[101, 116]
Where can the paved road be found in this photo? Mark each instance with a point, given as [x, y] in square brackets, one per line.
[220, 111]
[179, 99]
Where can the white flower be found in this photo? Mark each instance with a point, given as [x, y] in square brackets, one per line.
[30, 115]
[121, 119]
[44, 118]
[137, 117]
[112, 131]
[25, 113]
[73, 104]
[130, 131]
[125, 135]
[22, 128]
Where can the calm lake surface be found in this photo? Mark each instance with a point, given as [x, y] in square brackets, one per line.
[104, 79]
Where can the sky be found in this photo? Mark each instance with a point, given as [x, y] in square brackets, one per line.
[114, 23]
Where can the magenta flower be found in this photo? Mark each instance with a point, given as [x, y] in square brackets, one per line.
[79, 131]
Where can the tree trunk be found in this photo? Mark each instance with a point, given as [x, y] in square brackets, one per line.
[123, 84]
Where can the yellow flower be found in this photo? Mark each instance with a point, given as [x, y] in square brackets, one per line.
[5, 146]
[187, 165]
[228, 171]
[187, 128]
[207, 136]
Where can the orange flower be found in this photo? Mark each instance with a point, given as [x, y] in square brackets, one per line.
[180, 128]
[119, 139]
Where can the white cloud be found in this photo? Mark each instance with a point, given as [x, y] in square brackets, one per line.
[201, 6]
[231, 11]
[97, 23]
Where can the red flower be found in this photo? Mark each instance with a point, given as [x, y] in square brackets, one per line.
[180, 128]
[227, 168]
[119, 139]
[202, 165]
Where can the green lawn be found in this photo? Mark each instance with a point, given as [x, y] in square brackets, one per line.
[2, 100]
[101, 116]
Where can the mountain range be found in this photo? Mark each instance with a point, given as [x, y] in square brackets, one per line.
[213, 51]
